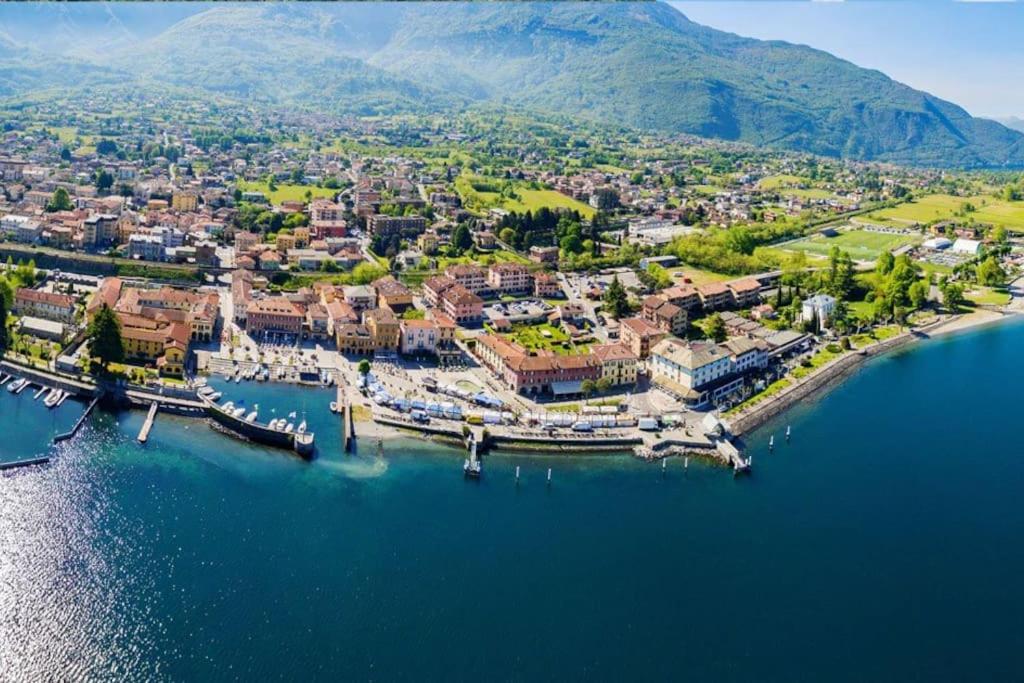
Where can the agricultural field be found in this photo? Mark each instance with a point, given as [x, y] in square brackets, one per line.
[285, 192]
[777, 182]
[943, 207]
[862, 245]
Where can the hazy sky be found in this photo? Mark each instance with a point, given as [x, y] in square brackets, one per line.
[971, 53]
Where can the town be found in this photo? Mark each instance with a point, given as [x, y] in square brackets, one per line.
[580, 287]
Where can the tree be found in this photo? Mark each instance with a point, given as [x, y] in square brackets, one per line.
[104, 336]
[952, 295]
[918, 294]
[6, 293]
[885, 263]
[3, 325]
[990, 272]
[364, 367]
[604, 384]
[714, 328]
[462, 240]
[616, 301]
[104, 180]
[588, 386]
[60, 201]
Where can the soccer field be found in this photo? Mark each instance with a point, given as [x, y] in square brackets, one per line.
[862, 245]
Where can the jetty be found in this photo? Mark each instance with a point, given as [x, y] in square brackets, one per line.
[148, 424]
[300, 443]
[78, 424]
[17, 464]
[39, 393]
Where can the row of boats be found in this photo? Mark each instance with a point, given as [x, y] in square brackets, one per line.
[16, 385]
[241, 412]
[261, 373]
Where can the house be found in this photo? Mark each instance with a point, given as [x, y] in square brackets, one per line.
[360, 297]
[392, 294]
[276, 314]
[48, 305]
[640, 336]
[684, 296]
[664, 315]
[434, 287]
[510, 278]
[418, 337]
[818, 309]
[695, 373]
[380, 224]
[353, 338]
[618, 363]
[544, 255]
[746, 354]
[536, 374]
[714, 296]
[473, 278]
[485, 239]
[462, 305]
[745, 292]
[384, 328]
[546, 285]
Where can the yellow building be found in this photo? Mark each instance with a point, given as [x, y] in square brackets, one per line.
[185, 201]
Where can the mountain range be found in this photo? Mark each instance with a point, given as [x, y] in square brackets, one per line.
[635, 64]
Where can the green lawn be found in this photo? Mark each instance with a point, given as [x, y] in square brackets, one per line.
[544, 336]
[697, 276]
[285, 192]
[820, 359]
[988, 296]
[527, 199]
[770, 390]
[943, 206]
[776, 182]
[862, 245]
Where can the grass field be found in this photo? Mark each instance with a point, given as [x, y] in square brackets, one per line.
[285, 192]
[698, 276]
[526, 199]
[988, 296]
[862, 245]
[943, 206]
[776, 182]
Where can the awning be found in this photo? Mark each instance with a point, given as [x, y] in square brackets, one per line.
[567, 387]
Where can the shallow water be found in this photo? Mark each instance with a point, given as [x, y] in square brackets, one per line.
[882, 543]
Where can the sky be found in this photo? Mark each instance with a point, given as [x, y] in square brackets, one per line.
[968, 52]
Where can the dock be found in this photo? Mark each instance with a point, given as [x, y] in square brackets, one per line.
[78, 424]
[17, 464]
[148, 424]
[39, 393]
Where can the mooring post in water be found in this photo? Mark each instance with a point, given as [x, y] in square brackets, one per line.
[664, 462]
[549, 476]
[771, 442]
[686, 463]
[787, 433]
[517, 474]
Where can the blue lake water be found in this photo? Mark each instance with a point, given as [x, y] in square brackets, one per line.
[883, 543]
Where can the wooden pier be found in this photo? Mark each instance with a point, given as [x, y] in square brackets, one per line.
[148, 424]
[39, 393]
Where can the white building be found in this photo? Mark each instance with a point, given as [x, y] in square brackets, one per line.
[819, 307]
[969, 247]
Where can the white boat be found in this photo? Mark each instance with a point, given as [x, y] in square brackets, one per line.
[16, 385]
[251, 417]
[292, 414]
[302, 427]
[51, 398]
[239, 412]
[215, 396]
[334, 406]
[290, 428]
[238, 378]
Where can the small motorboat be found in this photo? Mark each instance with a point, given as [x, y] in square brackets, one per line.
[302, 427]
[334, 406]
[290, 428]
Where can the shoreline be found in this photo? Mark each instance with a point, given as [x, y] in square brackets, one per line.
[833, 374]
